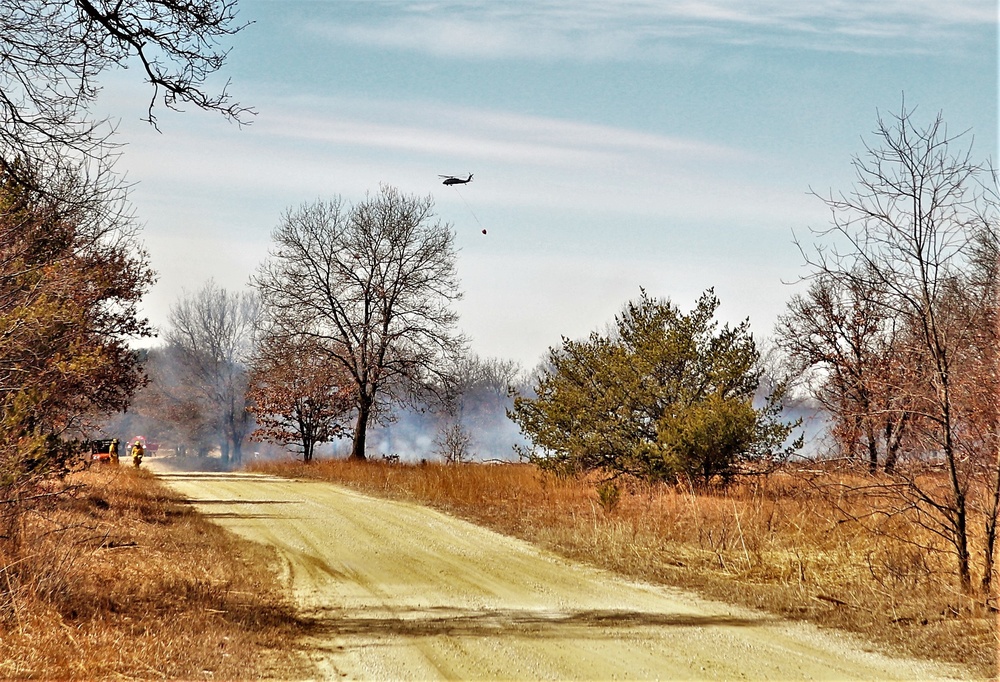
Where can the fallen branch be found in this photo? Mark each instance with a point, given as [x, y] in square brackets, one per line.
[832, 600]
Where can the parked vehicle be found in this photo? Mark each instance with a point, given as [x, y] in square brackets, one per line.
[101, 450]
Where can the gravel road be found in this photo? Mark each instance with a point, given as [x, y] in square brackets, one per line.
[405, 592]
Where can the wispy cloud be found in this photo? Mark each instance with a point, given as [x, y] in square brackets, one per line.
[480, 135]
[599, 30]
[523, 160]
[306, 147]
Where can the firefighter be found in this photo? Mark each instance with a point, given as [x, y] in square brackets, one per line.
[113, 450]
[137, 452]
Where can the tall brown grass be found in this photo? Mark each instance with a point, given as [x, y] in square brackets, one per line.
[775, 543]
[116, 578]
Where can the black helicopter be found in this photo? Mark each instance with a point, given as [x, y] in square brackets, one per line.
[452, 180]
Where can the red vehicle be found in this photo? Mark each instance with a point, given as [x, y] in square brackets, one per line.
[148, 448]
[100, 450]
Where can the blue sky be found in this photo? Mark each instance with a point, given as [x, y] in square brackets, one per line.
[665, 145]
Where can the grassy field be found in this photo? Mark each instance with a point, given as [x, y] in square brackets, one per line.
[116, 579]
[773, 543]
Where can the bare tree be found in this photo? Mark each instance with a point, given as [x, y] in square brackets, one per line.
[473, 417]
[52, 53]
[846, 346]
[372, 286]
[904, 240]
[213, 334]
[475, 379]
[452, 443]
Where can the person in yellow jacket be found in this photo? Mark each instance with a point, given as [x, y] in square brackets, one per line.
[137, 452]
[113, 451]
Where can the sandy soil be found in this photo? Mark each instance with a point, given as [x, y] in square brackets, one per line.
[404, 592]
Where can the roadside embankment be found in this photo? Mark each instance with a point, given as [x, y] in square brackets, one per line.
[112, 576]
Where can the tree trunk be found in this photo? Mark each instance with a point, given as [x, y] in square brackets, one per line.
[959, 512]
[872, 451]
[959, 508]
[989, 551]
[992, 513]
[304, 433]
[361, 431]
[893, 441]
[891, 454]
[962, 545]
[236, 425]
[224, 449]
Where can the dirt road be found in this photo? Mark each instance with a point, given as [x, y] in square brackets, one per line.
[405, 592]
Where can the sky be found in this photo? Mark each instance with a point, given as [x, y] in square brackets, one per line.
[665, 145]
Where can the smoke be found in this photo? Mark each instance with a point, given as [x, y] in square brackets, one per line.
[168, 413]
[171, 412]
[416, 434]
[814, 429]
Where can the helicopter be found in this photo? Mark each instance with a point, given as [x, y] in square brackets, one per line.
[452, 180]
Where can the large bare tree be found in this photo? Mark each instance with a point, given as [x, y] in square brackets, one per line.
[907, 239]
[213, 333]
[372, 285]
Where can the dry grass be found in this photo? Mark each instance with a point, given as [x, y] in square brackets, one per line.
[117, 579]
[773, 543]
